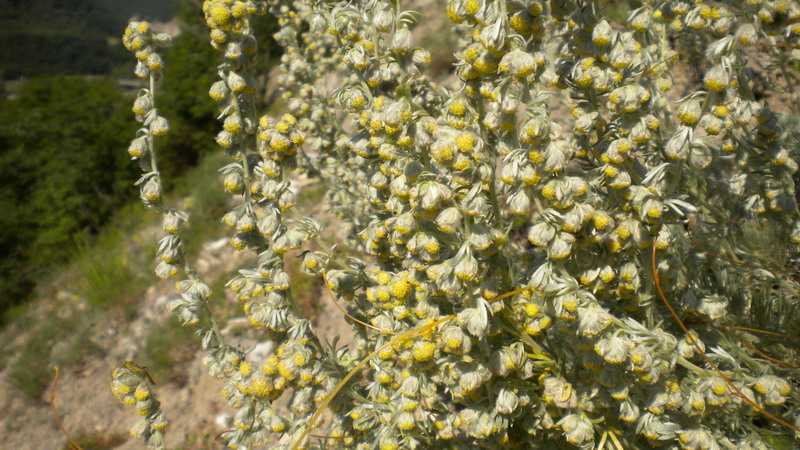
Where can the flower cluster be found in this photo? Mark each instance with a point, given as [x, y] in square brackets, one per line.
[192, 305]
[140, 38]
[516, 260]
[144, 42]
[264, 150]
[132, 386]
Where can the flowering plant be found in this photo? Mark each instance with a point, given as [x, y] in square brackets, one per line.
[618, 278]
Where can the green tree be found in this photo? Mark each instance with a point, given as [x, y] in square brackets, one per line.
[144, 9]
[44, 37]
[64, 171]
[189, 72]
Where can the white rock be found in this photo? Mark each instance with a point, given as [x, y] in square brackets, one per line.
[217, 245]
[223, 421]
[261, 351]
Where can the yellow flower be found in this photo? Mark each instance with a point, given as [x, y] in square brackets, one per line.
[405, 141]
[384, 377]
[531, 309]
[239, 9]
[270, 366]
[141, 393]
[687, 117]
[623, 232]
[279, 143]
[535, 157]
[465, 142]
[424, 351]
[285, 370]
[220, 14]
[122, 389]
[401, 289]
[386, 353]
[607, 275]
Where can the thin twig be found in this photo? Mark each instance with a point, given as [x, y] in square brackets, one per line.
[322, 436]
[55, 413]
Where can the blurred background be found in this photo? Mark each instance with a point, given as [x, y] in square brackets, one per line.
[65, 122]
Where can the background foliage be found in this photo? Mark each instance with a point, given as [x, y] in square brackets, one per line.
[40, 37]
[63, 138]
[62, 171]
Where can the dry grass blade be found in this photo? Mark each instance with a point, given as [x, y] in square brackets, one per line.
[55, 413]
[756, 330]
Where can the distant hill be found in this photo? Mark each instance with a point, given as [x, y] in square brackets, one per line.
[72, 37]
[161, 10]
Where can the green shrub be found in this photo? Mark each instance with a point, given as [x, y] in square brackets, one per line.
[167, 348]
[55, 340]
[106, 271]
[46, 37]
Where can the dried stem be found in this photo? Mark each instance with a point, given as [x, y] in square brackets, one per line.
[55, 413]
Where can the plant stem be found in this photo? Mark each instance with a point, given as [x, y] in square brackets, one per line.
[151, 139]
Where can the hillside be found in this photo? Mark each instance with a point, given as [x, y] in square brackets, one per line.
[158, 10]
[73, 37]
